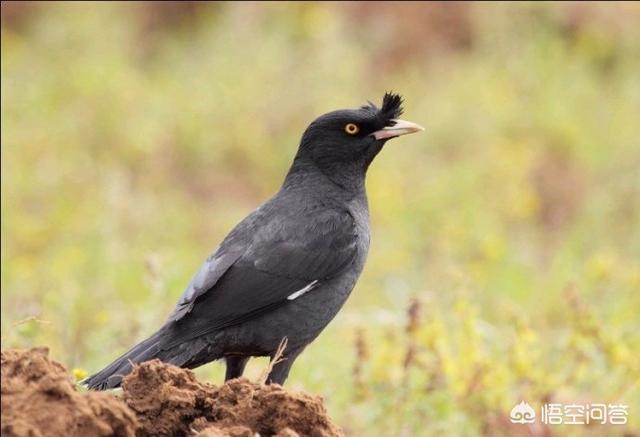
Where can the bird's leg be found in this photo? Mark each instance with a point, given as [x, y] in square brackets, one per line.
[235, 366]
[280, 371]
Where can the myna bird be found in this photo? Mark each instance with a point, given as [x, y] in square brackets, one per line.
[287, 268]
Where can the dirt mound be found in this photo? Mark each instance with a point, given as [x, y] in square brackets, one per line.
[39, 398]
[167, 399]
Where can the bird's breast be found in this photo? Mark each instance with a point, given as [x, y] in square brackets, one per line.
[359, 210]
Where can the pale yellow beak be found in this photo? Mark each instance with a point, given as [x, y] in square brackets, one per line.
[402, 127]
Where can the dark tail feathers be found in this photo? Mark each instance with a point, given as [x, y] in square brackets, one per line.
[111, 376]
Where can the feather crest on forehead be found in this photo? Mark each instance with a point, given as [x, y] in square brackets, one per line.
[391, 107]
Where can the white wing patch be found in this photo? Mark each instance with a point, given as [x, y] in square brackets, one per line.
[297, 294]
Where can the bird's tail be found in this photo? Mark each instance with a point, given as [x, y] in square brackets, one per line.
[189, 353]
[111, 376]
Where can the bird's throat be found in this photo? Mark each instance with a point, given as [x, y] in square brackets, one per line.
[348, 178]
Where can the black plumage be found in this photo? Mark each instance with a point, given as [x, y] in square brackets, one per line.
[288, 267]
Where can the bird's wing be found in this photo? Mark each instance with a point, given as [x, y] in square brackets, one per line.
[284, 258]
[209, 273]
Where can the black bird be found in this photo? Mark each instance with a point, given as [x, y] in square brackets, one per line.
[287, 268]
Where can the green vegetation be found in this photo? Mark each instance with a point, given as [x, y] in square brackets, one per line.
[505, 258]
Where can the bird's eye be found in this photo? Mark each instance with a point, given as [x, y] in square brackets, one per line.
[351, 129]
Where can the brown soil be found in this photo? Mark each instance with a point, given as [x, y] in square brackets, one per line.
[39, 398]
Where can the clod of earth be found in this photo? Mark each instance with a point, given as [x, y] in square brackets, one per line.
[39, 398]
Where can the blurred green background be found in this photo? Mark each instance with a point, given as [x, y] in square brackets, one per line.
[505, 256]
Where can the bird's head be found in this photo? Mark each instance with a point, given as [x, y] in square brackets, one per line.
[349, 139]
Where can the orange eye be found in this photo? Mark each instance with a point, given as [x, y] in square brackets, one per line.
[351, 129]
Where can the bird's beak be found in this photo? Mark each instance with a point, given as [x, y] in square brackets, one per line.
[401, 127]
